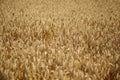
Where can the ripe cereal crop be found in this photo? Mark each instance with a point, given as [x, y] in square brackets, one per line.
[59, 40]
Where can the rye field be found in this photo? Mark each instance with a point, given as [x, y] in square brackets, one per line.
[59, 39]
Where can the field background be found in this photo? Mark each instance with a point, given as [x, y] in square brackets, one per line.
[59, 39]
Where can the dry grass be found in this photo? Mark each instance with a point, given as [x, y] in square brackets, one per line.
[59, 40]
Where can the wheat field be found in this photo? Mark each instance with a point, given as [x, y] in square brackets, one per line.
[59, 40]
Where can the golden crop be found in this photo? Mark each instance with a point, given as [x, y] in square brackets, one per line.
[59, 40]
